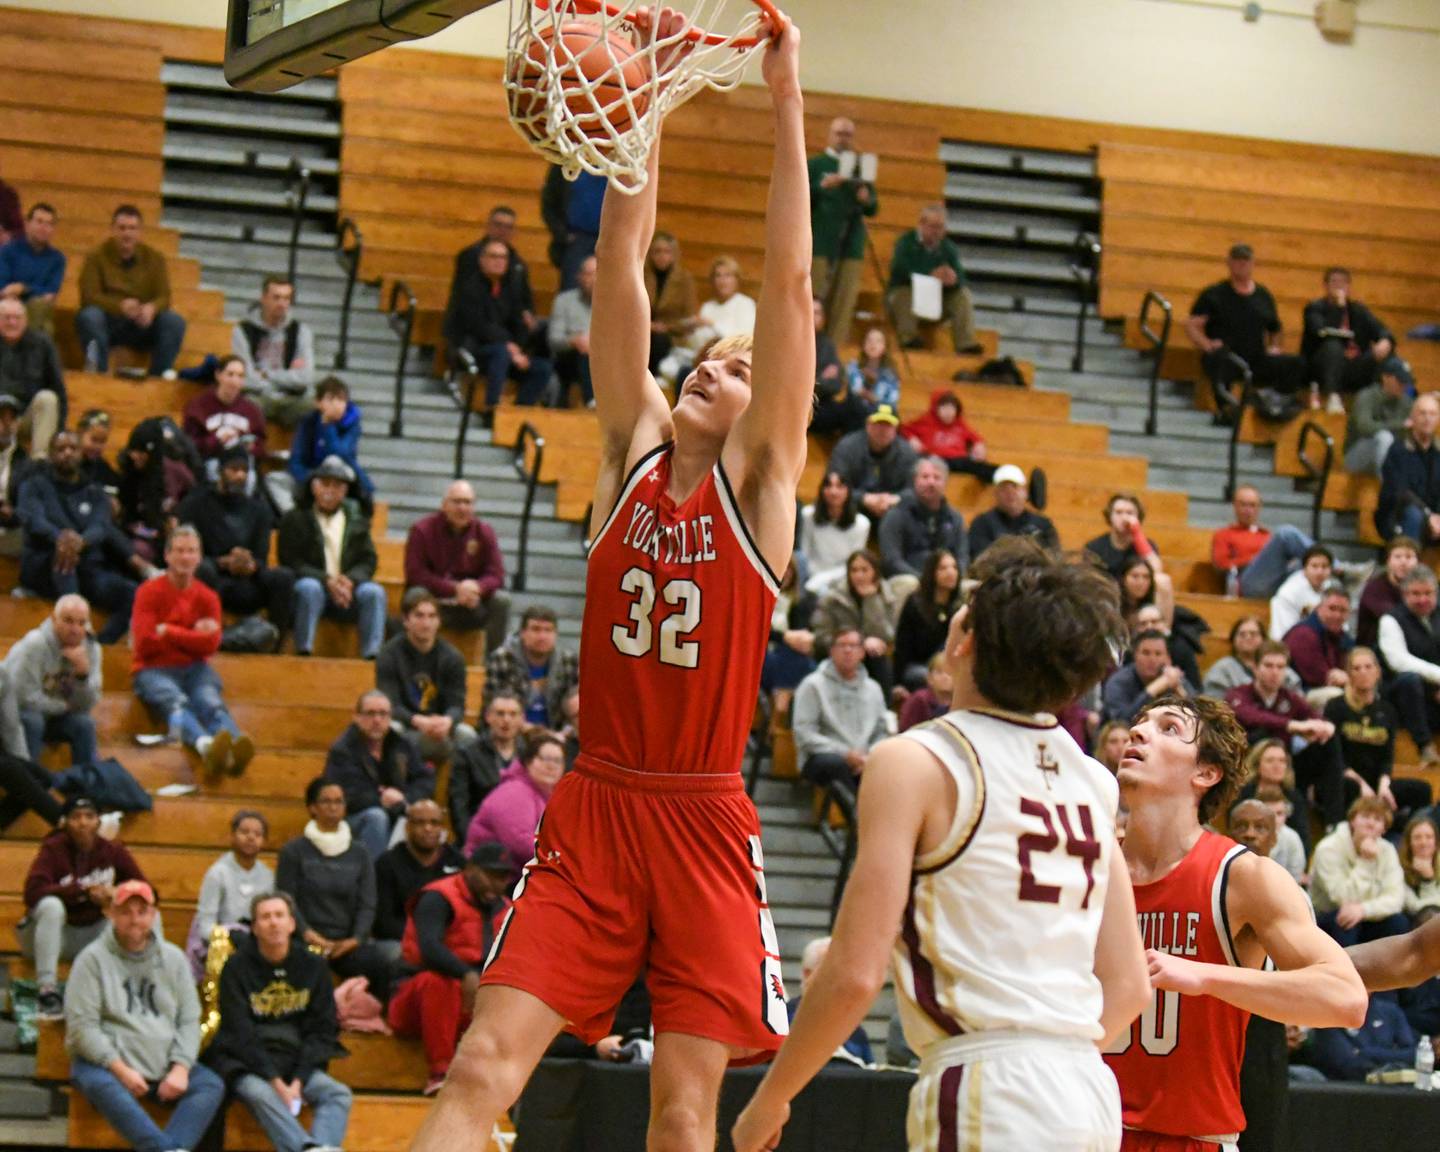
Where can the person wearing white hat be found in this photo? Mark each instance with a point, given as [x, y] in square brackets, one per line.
[1010, 516]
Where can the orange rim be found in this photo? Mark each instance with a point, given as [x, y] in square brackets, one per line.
[778, 20]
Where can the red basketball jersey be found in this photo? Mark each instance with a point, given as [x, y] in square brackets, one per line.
[1179, 1065]
[677, 616]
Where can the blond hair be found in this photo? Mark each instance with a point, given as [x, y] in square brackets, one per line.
[723, 347]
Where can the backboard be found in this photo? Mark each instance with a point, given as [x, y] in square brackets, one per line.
[273, 44]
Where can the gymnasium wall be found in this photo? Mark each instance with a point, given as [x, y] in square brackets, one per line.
[1190, 64]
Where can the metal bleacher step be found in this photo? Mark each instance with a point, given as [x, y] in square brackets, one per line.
[998, 158]
[214, 156]
[970, 189]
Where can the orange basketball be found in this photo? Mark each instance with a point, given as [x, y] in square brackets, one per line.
[581, 56]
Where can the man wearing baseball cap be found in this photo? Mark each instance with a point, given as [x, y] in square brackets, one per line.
[1239, 315]
[450, 932]
[132, 1029]
[876, 462]
[70, 885]
[1010, 516]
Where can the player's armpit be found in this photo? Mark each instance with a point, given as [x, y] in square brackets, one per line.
[1399, 961]
[1315, 985]
[1120, 954]
[902, 786]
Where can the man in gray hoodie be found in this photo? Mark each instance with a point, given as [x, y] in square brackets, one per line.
[838, 715]
[54, 673]
[133, 1029]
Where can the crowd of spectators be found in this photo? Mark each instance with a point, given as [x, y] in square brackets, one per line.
[195, 525]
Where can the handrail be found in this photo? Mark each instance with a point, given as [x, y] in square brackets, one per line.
[841, 846]
[1158, 344]
[467, 405]
[1086, 273]
[297, 191]
[1320, 475]
[349, 260]
[402, 323]
[531, 475]
[1237, 412]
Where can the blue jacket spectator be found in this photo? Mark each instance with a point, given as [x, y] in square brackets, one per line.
[1410, 478]
[39, 269]
[1352, 1053]
[333, 429]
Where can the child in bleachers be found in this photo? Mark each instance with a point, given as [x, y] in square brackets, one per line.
[332, 429]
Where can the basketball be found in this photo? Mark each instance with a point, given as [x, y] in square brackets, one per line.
[580, 57]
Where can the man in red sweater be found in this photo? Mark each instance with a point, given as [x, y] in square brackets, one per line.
[454, 555]
[1261, 557]
[174, 630]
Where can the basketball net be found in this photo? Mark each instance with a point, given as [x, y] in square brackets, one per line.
[570, 116]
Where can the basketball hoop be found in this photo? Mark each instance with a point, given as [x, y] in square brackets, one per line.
[588, 83]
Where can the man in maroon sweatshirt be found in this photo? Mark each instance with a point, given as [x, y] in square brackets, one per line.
[67, 891]
[174, 630]
[455, 557]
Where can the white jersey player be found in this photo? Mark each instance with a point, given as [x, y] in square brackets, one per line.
[986, 860]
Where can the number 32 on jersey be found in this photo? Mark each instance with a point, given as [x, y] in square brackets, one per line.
[637, 637]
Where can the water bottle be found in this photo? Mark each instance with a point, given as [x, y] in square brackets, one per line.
[92, 356]
[1232, 583]
[1424, 1065]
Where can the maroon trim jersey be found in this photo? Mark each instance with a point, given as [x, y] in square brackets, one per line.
[1179, 1064]
[677, 616]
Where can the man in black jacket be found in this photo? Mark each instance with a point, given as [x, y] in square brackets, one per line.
[476, 768]
[424, 855]
[30, 371]
[380, 771]
[921, 523]
[423, 676]
[1410, 478]
[328, 546]
[235, 533]
[71, 543]
[487, 316]
[1010, 517]
[278, 1032]
[1344, 343]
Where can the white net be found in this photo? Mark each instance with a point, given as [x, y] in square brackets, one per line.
[588, 84]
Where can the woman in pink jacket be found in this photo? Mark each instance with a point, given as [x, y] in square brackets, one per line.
[514, 806]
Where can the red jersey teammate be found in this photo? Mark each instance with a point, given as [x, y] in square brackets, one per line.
[649, 851]
[1210, 913]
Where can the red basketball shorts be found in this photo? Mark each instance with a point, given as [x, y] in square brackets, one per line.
[642, 870]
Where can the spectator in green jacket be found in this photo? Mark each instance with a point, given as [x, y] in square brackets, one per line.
[838, 205]
[125, 298]
[927, 251]
[1379, 415]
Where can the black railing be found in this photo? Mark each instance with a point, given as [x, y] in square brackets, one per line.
[1235, 410]
[840, 841]
[1319, 475]
[349, 260]
[1158, 343]
[402, 323]
[297, 191]
[1086, 271]
[530, 473]
[467, 366]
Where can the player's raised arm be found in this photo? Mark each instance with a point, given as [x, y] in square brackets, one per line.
[768, 444]
[1399, 961]
[1315, 984]
[627, 399]
[901, 784]
[1120, 955]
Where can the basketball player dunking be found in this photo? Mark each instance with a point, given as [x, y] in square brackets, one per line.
[1211, 912]
[649, 851]
[986, 862]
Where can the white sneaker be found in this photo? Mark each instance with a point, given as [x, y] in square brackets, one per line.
[1335, 406]
[110, 825]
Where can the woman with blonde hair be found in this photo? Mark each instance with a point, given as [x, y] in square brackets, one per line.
[1269, 762]
[1417, 861]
